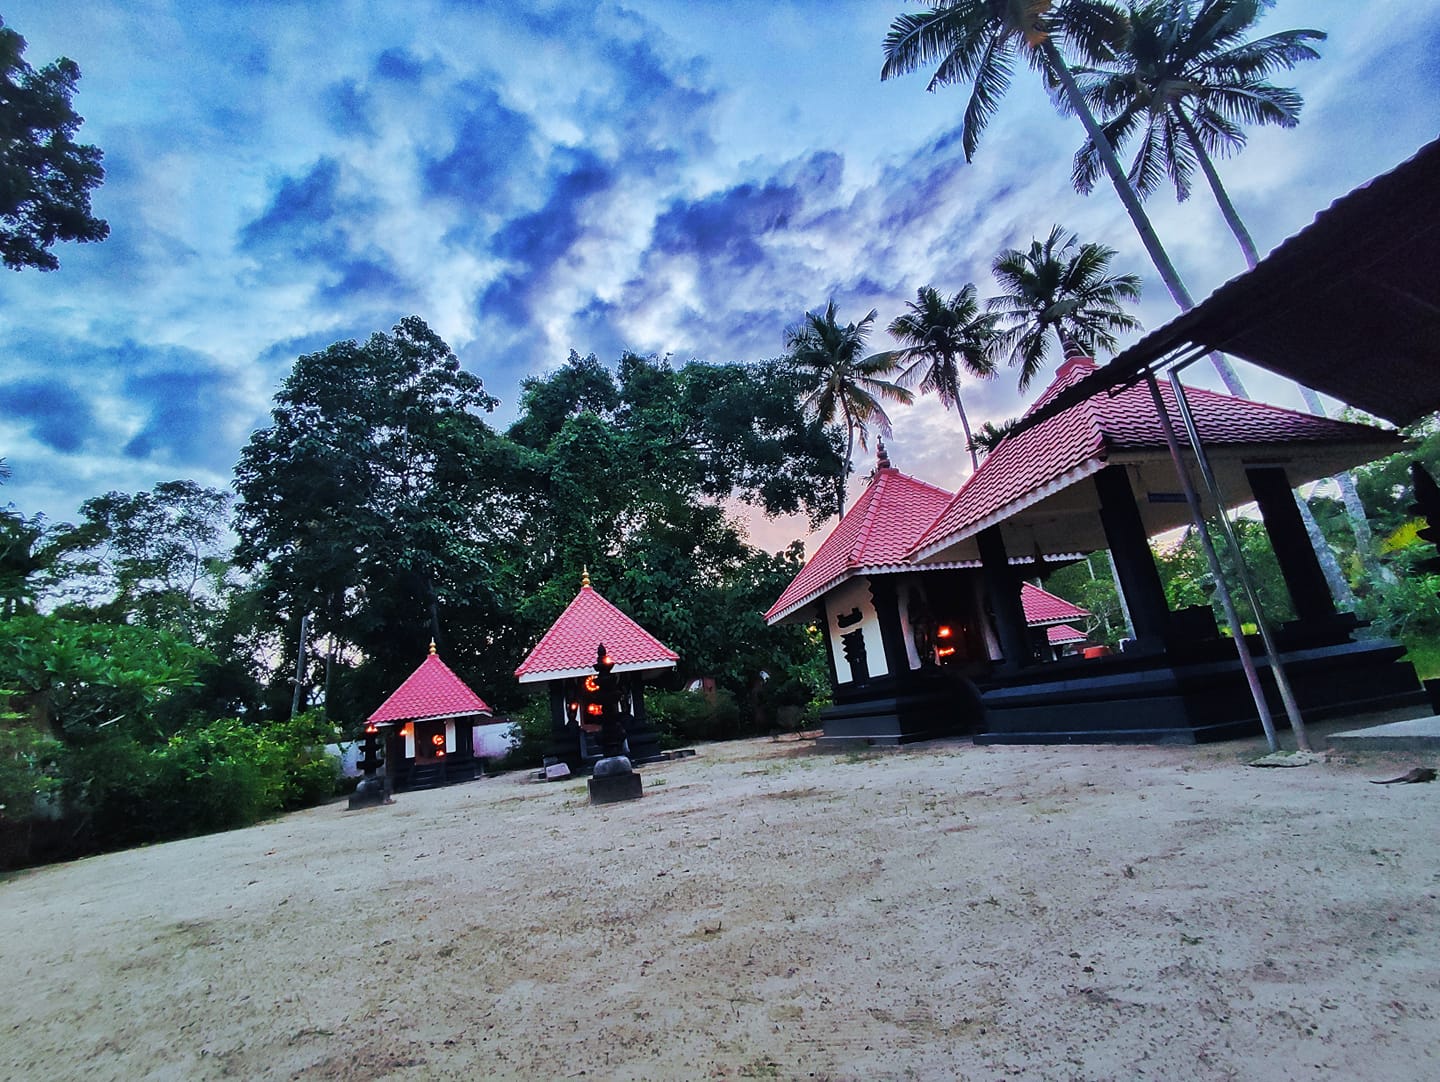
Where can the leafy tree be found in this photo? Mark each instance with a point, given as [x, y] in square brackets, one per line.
[845, 384]
[942, 336]
[27, 555]
[45, 176]
[373, 503]
[158, 558]
[1060, 287]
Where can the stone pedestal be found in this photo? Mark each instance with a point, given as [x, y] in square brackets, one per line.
[614, 780]
[369, 793]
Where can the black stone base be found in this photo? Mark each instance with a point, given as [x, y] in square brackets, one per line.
[881, 716]
[370, 793]
[1149, 701]
[613, 788]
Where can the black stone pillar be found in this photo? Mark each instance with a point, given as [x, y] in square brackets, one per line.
[1134, 562]
[892, 635]
[1002, 587]
[1309, 592]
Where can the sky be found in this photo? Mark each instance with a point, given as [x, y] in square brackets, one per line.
[682, 179]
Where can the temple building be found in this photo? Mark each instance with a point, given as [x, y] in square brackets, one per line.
[428, 724]
[564, 659]
[920, 595]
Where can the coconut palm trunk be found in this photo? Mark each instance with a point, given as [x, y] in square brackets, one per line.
[1130, 199]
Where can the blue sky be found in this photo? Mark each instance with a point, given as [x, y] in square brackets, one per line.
[682, 179]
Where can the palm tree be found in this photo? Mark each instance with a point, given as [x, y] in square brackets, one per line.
[978, 42]
[848, 385]
[942, 336]
[1059, 285]
[1183, 85]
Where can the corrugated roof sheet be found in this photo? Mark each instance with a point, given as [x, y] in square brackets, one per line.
[568, 648]
[431, 691]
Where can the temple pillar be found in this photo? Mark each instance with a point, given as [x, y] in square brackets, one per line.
[1134, 562]
[887, 613]
[1309, 592]
[1002, 586]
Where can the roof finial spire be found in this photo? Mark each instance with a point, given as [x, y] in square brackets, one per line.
[585, 576]
[882, 457]
[432, 647]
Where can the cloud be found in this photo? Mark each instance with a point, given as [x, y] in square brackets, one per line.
[57, 415]
[185, 409]
[399, 65]
[490, 147]
[305, 217]
[347, 108]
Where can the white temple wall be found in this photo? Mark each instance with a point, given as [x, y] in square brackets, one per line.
[841, 603]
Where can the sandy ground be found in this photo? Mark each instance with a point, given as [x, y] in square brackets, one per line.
[766, 911]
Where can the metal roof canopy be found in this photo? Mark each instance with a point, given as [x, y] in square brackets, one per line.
[1349, 306]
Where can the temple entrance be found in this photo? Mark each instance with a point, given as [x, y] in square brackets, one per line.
[429, 741]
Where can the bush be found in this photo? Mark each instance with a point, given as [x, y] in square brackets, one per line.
[684, 717]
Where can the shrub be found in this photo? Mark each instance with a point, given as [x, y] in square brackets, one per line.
[684, 717]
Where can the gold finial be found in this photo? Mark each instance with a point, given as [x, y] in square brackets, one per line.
[585, 576]
[432, 647]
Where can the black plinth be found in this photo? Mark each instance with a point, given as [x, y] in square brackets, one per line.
[369, 793]
[614, 781]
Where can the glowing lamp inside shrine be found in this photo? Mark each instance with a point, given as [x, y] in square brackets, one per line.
[371, 728]
[591, 684]
[594, 709]
[944, 631]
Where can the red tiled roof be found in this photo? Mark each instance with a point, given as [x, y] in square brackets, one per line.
[431, 691]
[875, 534]
[568, 648]
[1042, 607]
[1077, 442]
[1064, 635]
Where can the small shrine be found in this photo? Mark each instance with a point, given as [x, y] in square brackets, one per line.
[565, 660]
[427, 726]
[923, 606]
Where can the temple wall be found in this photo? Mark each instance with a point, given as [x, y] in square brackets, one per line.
[843, 603]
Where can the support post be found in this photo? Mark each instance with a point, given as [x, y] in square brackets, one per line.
[1134, 562]
[1299, 565]
[1002, 585]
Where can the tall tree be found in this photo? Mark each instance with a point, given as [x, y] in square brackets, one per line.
[45, 176]
[845, 384]
[158, 558]
[978, 42]
[944, 336]
[1059, 286]
[373, 503]
[1183, 85]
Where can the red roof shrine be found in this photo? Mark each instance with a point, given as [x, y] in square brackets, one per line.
[1042, 607]
[1064, 635]
[874, 536]
[568, 648]
[1037, 465]
[431, 691]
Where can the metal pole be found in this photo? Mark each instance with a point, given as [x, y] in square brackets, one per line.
[1282, 682]
[299, 665]
[1237, 629]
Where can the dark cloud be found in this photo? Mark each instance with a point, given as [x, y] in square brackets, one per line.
[491, 145]
[305, 217]
[189, 412]
[56, 414]
[728, 224]
[347, 108]
[362, 278]
[400, 66]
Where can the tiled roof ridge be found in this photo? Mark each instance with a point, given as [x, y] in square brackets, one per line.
[632, 645]
[432, 690]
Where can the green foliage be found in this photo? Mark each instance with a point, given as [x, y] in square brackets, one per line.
[1090, 584]
[684, 717]
[45, 176]
[74, 679]
[29, 767]
[155, 558]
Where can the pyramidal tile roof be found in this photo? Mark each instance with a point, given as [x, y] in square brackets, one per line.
[431, 691]
[568, 648]
[1064, 635]
[1042, 607]
[874, 535]
[1077, 442]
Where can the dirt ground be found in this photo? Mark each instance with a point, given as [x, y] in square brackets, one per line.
[766, 911]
